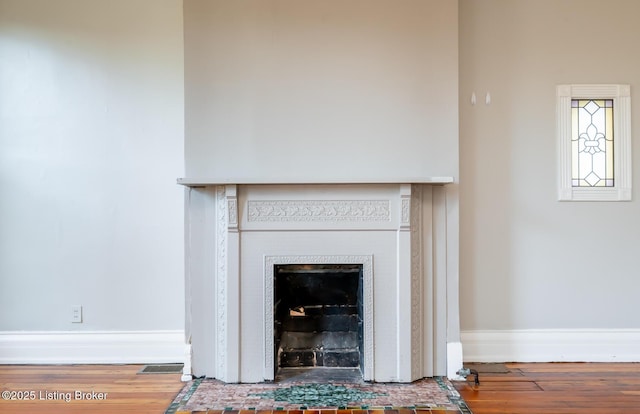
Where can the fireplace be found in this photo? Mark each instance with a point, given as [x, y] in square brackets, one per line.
[323, 275]
[323, 306]
[318, 316]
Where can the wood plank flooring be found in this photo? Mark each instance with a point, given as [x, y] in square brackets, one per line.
[123, 390]
[558, 388]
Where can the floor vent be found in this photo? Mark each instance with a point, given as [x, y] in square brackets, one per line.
[161, 369]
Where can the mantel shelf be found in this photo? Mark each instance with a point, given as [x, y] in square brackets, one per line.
[201, 182]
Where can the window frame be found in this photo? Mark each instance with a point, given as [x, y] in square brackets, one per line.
[621, 95]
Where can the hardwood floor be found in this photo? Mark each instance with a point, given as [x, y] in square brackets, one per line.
[558, 388]
[123, 390]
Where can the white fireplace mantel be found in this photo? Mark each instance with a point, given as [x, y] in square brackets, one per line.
[236, 231]
[199, 181]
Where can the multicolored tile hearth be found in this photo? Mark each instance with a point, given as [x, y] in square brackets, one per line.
[429, 395]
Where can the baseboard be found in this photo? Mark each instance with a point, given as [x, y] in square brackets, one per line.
[95, 347]
[598, 345]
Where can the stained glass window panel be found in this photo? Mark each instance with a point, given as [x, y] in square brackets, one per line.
[592, 143]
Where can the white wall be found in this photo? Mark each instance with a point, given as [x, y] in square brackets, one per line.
[91, 132]
[528, 261]
[91, 141]
[321, 90]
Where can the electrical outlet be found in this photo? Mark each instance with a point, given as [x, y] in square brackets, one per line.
[76, 314]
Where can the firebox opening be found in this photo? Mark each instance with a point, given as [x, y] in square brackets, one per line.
[318, 316]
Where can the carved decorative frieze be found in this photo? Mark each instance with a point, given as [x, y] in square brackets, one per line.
[405, 210]
[405, 206]
[318, 210]
[221, 279]
[232, 206]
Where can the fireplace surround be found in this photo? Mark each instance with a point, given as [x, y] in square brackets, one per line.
[240, 236]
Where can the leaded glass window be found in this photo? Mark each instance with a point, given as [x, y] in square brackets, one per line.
[592, 143]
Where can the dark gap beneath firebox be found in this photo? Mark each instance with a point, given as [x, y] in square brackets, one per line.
[318, 316]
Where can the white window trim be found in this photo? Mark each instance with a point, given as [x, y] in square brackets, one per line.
[621, 95]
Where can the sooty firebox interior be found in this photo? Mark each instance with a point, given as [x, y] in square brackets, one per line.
[318, 316]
